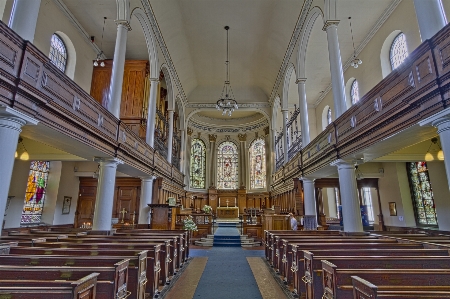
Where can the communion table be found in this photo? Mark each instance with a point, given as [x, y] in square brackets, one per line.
[228, 212]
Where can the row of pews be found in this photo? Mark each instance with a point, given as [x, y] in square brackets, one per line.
[333, 265]
[76, 264]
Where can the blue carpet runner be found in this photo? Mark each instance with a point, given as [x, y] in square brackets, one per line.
[227, 235]
[227, 274]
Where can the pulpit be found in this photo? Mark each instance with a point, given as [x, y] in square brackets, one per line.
[161, 216]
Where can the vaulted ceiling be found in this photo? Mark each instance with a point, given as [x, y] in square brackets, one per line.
[260, 31]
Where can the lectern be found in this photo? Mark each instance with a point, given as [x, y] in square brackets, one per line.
[161, 216]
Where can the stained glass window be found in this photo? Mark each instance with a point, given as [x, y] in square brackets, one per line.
[198, 164]
[35, 192]
[58, 52]
[398, 52]
[227, 166]
[257, 164]
[421, 192]
[354, 92]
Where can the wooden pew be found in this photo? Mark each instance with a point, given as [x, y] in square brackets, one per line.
[364, 289]
[117, 275]
[84, 288]
[297, 254]
[153, 264]
[337, 283]
[313, 266]
[137, 268]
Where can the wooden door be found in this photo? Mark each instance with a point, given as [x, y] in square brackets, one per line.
[127, 198]
[85, 205]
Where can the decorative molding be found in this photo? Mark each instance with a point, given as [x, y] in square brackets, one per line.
[246, 105]
[189, 131]
[242, 137]
[212, 137]
[292, 45]
[386, 14]
[266, 131]
[163, 47]
[254, 117]
[228, 129]
[330, 23]
[77, 25]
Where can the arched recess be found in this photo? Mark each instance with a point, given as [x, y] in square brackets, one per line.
[287, 79]
[71, 54]
[325, 113]
[313, 14]
[386, 68]
[149, 39]
[348, 98]
[170, 91]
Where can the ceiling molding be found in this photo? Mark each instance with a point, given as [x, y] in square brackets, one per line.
[163, 47]
[290, 49]
[386, 14]
[243, 119]
[77, 25]
[214, 128]
[210, 105]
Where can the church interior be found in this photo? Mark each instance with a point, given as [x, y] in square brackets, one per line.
[227, 148]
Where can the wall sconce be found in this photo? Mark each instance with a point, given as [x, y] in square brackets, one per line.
[440, 154]
[24, 156]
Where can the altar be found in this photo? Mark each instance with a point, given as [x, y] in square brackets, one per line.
[228, 212]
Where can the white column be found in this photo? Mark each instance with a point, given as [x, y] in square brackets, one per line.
[430, 16]
[146, 199]
[187, 165]
[212, 164]
[24, 18]
[337, 75]
[303, 105]
[105, 194]
[349, 196]
[170, 139]
[309, 200]
[151, 114]
[183, 156]
[443, 129]
[115, 90]
[11, 123]
[285, 136]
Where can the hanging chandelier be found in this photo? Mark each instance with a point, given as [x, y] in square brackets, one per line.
[99, 61]
[355, 61]
[227, 104]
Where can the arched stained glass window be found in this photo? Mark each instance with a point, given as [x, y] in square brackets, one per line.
[58, 52]
[198, 164]
[35, 192]
[354, 92]
[329, 120]
[398, 52]
[257, 164]
[421, 193]
[227, 166]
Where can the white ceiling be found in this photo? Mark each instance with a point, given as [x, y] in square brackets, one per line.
[260, 31]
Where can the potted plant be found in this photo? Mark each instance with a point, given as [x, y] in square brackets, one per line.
[207, 209]
[190, 225]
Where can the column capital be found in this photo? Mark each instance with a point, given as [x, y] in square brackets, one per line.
[123, 23]
[189, 131]
[442, 124]
[267, 131]
[108, 162]
[300, 80]
[242, 137]
[148, 178]
[329, 24]
[307, 179]
[212, 137]
[344, 164]
[10, 113]
[155, 80]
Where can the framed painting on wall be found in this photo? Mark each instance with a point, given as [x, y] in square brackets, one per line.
[66, 204]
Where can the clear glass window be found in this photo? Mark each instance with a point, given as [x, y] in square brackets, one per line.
[398, 52]
[58, 52]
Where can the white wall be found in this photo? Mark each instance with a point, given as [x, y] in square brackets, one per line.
[394, 187]
[68, 186]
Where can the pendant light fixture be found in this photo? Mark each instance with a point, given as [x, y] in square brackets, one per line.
[99, 61]
[355, 61]
[227, 104]
[440, 154]
[24, 156]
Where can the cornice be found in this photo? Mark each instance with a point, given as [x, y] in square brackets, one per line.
[254, 117]
[292, 43]
[210, 128]
[245, 105]
[386, 14]
[87, 38]
[163, 47]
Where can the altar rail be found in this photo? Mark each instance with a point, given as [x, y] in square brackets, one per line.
[31, 84]
[417, 89]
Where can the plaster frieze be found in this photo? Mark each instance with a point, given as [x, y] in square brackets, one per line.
[244, 105]
[228, 129]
